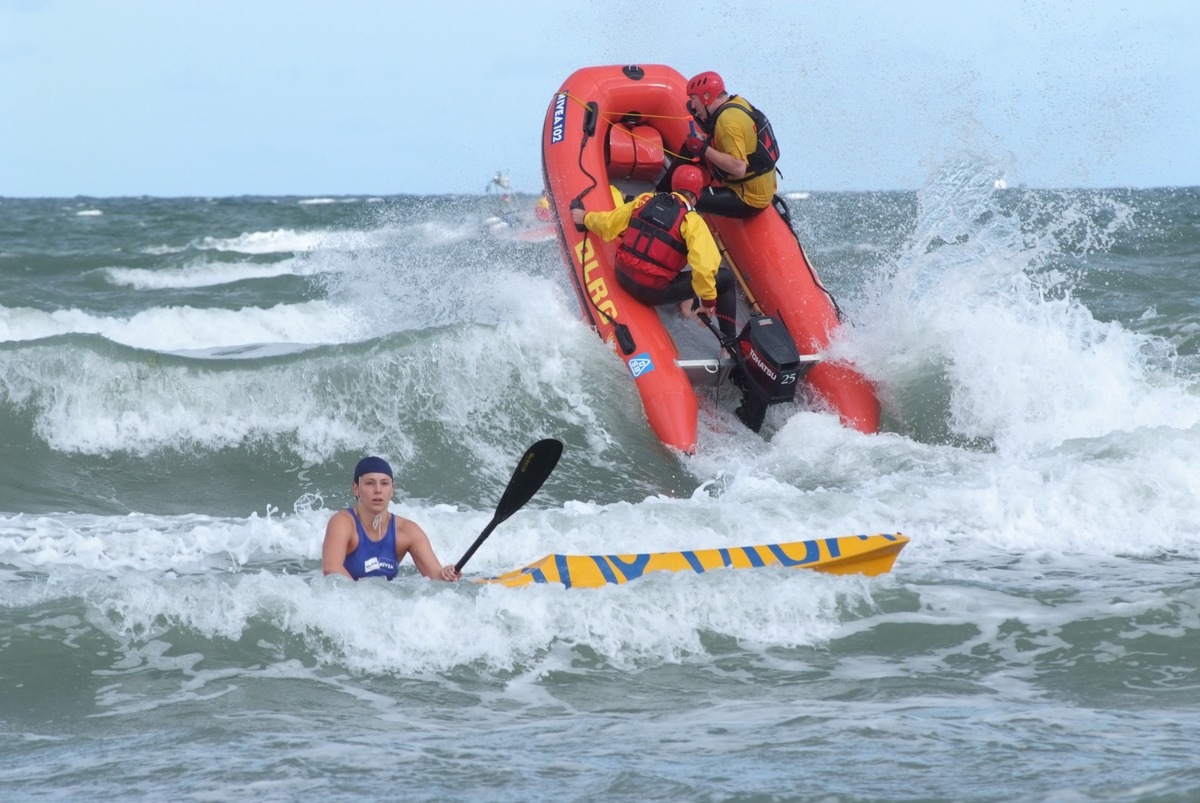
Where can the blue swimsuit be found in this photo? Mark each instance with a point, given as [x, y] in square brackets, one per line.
[373, 558]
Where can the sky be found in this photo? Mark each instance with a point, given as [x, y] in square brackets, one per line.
[379, 97]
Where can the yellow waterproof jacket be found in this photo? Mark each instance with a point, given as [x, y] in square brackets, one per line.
[702, 252]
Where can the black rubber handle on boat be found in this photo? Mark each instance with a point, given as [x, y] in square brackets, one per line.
[577, 203]
[532, 470]
[589, 119]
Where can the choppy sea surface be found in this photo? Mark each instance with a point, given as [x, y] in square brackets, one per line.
[186, 383]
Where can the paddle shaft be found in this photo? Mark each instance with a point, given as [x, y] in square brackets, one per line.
[531, 471]
[458, 567]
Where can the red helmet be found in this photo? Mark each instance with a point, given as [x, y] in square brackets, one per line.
[707, 85]
[688, 178]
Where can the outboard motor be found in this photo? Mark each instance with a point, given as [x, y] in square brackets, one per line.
[769, 367]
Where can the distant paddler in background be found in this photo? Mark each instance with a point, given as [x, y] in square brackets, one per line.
[505, 212]
[367, 540]
[542, 209]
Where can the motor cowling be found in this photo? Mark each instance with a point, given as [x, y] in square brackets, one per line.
[770, 368]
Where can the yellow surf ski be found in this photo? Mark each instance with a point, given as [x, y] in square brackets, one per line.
[850, 554]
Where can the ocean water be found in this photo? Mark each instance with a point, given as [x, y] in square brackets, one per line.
[185, 385]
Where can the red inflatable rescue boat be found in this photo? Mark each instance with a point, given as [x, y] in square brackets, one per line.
[610, 133]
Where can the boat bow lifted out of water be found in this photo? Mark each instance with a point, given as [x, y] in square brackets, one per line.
[608, 133]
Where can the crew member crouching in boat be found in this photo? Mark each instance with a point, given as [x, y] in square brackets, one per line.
[661, 234]
[366, 540]
[740, 150]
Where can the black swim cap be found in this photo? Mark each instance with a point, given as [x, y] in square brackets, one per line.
[372, 465]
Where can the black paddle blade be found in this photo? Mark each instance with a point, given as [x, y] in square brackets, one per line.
[532, 470]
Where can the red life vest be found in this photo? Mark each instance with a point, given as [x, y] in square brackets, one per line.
[652, 250]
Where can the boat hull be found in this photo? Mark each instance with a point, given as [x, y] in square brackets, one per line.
[852, 554]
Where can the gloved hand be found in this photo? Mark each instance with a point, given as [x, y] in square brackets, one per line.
[695, 145]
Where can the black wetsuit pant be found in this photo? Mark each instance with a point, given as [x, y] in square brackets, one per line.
[721, 201]
[725, 202]
[680, 289]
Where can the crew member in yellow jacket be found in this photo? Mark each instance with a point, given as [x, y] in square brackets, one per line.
[661, 234]
[740, 151]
